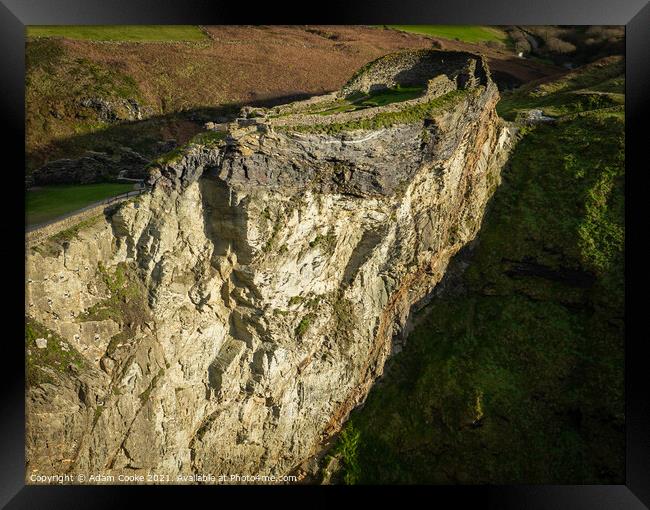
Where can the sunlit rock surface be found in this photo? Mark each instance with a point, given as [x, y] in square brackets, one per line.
[231, 318]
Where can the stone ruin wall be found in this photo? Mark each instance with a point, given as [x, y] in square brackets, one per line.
[451, 70]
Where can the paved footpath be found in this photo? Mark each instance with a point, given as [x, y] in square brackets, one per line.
[34, 234]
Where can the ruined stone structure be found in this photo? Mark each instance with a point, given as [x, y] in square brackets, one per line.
[418, 68]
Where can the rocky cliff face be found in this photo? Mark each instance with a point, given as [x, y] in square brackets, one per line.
[229, 320]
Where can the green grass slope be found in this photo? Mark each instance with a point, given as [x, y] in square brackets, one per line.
[466, 33]
[121, 33]
[373, 99]
[595, 86]
[518, 376]
[49, 202]
[408, 114]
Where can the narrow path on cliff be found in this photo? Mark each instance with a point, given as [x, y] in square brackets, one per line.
[106, 201]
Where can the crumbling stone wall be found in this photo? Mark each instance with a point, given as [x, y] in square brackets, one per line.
[412, 68]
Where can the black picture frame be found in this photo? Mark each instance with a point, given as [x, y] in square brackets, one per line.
[15, 14]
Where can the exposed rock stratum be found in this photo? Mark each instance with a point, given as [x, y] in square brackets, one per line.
[228, 320]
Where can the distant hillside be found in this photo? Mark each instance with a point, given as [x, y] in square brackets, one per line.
[99, 88]
[570, 44]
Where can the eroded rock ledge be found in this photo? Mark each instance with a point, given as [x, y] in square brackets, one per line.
[229, 320]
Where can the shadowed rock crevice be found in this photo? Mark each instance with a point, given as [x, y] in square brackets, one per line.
[362, 252]
[528, 268]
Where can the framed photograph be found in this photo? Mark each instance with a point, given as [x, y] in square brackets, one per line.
[383, 248]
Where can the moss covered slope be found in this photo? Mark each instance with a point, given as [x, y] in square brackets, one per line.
[518, 376]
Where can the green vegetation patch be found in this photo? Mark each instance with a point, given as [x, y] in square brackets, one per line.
[47, 203]
[466, 33]
[559, 105]
[76, 77]
[327, 242]
[56, 356]
[598, 85]
[53, 245]
[346, 449]
[344, 317]
[518, 377]
[310, 301]
[276, 227]
[208, 139]
[57, 123]
[120, 33]
[377, 98]
[126, 304]
[173, 156]
[44, 54]
[72, 232]
[127, 294]
[304, 324]
[408, 115]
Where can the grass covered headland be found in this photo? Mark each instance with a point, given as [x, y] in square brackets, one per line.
[517, 375]
[50, 202]
[376, 98]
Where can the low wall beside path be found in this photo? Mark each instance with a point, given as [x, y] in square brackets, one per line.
[36, 234]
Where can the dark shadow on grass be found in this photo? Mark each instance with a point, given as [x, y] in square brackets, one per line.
[144, 136]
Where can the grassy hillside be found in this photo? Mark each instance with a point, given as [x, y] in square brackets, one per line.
[182, 76]
[372, 99]
[595, 86]
[179, 77]
[58, 80]
[574, 44]
[517, 376]
[47, 203]
[140, 33]
[467, 33]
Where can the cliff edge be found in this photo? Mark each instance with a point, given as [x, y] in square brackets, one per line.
[228, 320]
